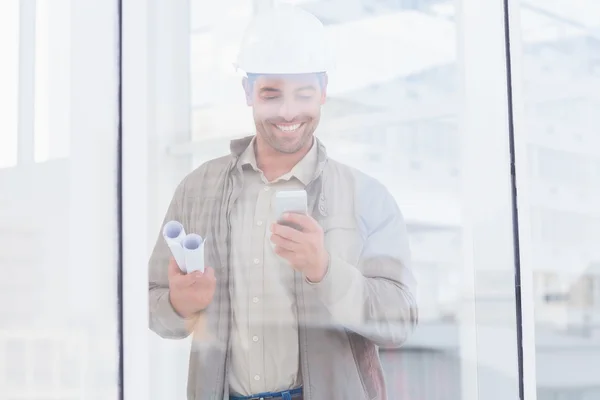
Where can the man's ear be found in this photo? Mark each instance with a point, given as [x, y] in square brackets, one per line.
[247, 91]
[324, 82]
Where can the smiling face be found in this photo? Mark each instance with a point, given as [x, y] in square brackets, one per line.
[286, 109]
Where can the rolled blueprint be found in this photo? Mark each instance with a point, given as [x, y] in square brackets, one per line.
[174, 235]
[193, 249]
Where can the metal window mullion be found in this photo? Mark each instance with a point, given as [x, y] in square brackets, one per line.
[523, 199]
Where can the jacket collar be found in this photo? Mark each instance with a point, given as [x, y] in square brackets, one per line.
[238, 146]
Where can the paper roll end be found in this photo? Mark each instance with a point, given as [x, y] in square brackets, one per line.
[173, 230]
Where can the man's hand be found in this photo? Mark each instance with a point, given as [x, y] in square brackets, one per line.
[190, 293]
[305, 249]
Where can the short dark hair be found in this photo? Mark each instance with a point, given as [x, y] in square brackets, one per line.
[252, 77]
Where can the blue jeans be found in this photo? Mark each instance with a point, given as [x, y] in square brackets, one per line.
[285, 395]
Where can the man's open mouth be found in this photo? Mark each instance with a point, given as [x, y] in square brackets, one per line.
[289, 128]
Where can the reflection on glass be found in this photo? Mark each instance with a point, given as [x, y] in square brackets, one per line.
[561, 60]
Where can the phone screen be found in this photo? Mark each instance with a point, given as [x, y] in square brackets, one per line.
[290, 201]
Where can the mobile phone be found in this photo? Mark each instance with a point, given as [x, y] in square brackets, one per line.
[290, 201]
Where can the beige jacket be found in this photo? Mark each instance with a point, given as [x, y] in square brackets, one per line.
[339, 359]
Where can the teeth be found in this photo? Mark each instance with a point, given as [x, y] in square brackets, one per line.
[288, 128]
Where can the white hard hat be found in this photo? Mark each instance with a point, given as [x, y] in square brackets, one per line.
[284, 40]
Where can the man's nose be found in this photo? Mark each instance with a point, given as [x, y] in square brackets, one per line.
[288, 111]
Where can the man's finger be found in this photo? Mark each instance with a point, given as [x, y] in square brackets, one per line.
[180, 279]
[286, 254]
[288, 233]
[190, 279]
[306, 222]
[284, 243]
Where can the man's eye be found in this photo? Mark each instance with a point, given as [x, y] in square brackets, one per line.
[271, 97]
[305, 97]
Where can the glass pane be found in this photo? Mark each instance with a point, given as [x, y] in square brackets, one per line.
[395, 109]
[58, 232]
[561, 82]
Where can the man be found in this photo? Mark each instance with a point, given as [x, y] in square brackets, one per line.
[279, 312]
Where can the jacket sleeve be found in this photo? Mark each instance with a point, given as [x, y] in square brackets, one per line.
[376, 298]
[164, 320]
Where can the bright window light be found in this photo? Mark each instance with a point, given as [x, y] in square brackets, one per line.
[9, 82]
[42, 97]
